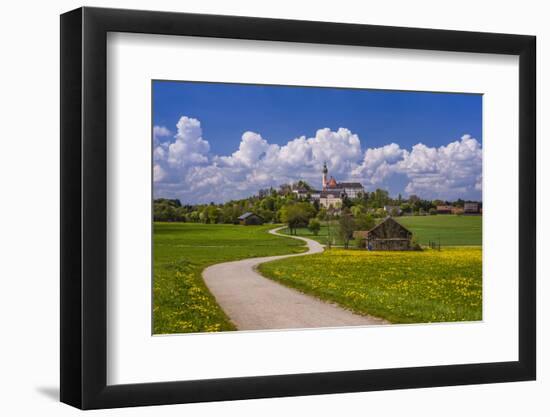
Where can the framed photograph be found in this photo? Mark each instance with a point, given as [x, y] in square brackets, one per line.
[257, 208]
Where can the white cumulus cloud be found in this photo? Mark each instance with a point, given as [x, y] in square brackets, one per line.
[173, 158]
[160, 132]
[445, 172]
[184, 168]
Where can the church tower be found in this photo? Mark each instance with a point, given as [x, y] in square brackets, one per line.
[325, 172]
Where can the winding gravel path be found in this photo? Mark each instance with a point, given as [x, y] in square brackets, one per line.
[253, 302]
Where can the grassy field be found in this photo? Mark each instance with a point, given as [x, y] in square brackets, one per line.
[450, 229]
[322, 236]
[402, 287]
[181, 301]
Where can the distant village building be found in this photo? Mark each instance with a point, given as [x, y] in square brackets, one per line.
[471, 208]
[334, 192]
[444, 209]
[315, 194]
[387, 235]
[249, 219]
[393, 210]
[330, 199]
[301, 192]
[351, 189]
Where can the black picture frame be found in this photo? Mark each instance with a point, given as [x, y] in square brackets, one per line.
[84, 207]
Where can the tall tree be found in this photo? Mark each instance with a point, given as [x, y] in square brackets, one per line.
[364, 221]
[347, 226]
[296, 215]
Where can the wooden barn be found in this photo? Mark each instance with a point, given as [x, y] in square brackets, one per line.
[388, 235]
[249, 219]
[444, 209]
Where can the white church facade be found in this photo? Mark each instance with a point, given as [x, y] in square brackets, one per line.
[334, 192]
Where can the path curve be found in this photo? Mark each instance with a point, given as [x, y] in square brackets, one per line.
[254, 302]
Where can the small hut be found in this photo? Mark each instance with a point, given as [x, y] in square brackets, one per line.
[248, 219]
[388, 235]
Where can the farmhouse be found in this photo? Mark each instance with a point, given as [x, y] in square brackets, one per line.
[444, 209]
[471, 208]
[248, 219]
[387, 235]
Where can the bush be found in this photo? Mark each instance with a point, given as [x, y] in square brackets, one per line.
[314, 226]
[364, 222]
[395, 212]
[414, 244]
[296, 215]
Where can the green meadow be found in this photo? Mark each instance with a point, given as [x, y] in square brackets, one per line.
[181, 301]
[323, 235]
[402, 287]
[450, 230]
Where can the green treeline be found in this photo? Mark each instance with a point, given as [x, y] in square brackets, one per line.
[284, 206]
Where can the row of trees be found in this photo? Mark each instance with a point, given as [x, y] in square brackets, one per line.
[301, 215]
[378, 199]
[269, 208]
[283, 205]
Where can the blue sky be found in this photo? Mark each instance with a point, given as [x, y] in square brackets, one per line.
[391, 139]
